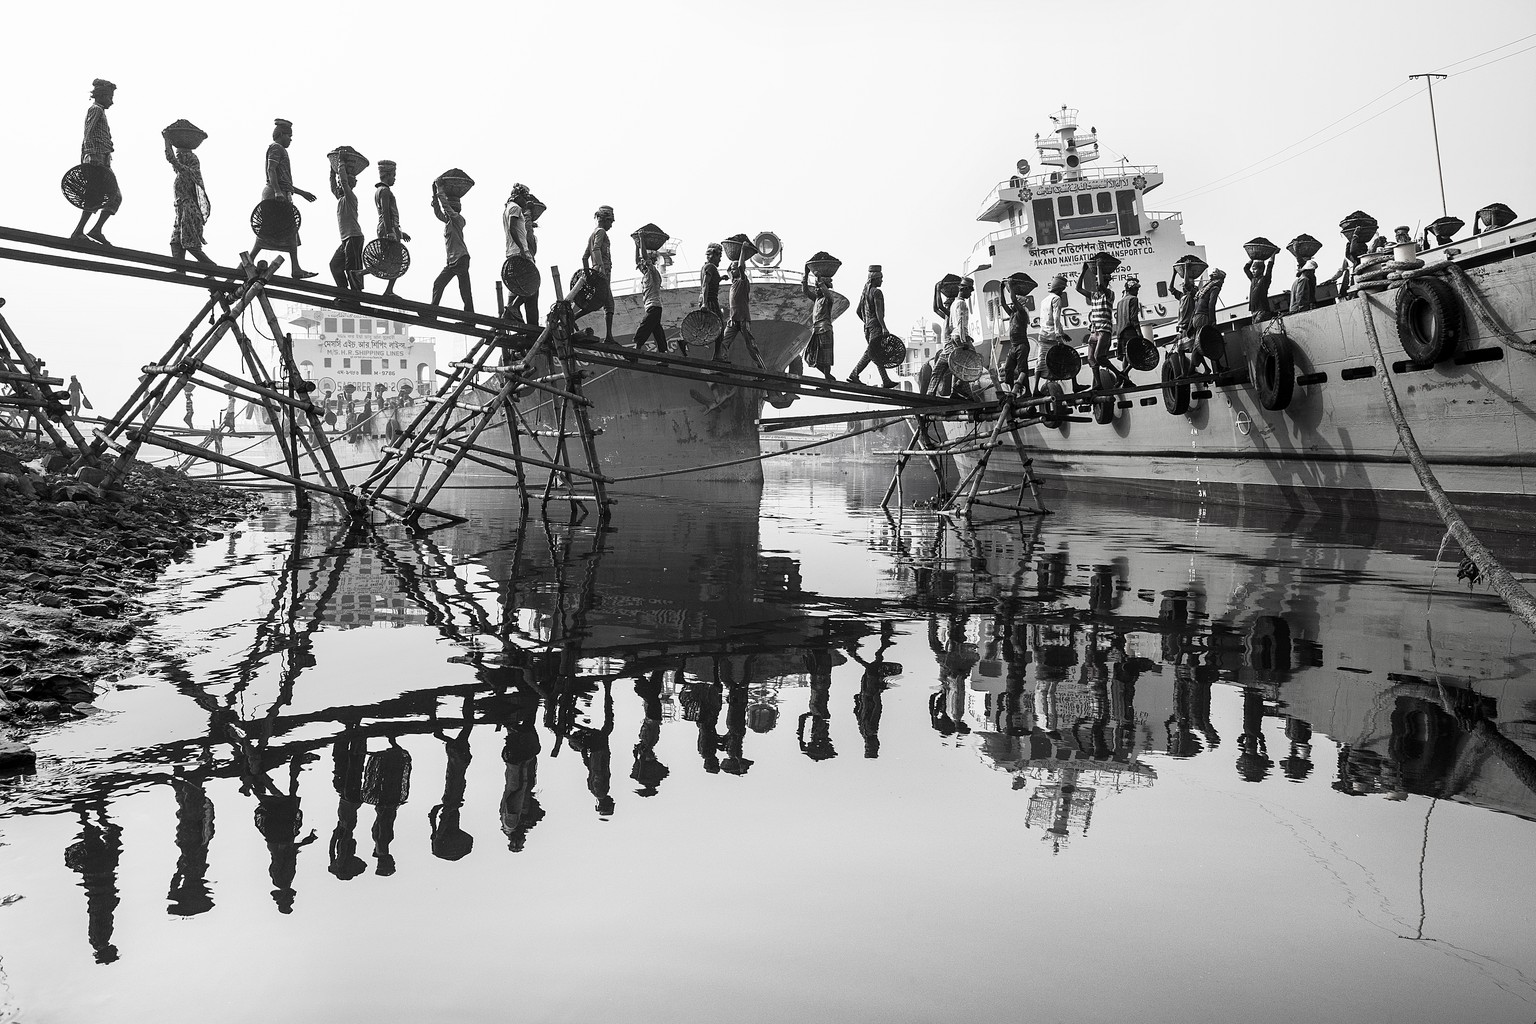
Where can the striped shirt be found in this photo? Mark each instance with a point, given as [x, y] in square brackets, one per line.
[97, 145]
[1101, 310]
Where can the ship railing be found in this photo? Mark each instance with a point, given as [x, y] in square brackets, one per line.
[691, 279]
[1087, 173]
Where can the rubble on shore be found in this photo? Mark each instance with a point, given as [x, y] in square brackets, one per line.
[75, 559]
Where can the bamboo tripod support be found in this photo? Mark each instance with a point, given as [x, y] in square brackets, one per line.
[479, 395]
[284, 397]
[23, 385]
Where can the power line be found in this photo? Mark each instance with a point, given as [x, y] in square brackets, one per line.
[1495, 60]
[1501, 46]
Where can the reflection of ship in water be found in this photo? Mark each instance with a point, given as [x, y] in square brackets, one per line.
[1078, 661]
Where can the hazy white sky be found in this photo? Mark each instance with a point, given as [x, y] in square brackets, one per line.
[869, 130]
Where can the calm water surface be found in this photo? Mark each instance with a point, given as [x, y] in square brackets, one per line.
[792, 760]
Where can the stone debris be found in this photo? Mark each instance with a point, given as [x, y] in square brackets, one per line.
[74, 559]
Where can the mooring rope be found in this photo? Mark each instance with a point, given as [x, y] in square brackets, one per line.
[1479, 305]
[754, 458]
[1519, 599]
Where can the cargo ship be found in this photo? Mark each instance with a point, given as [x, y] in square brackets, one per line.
[1298, 422]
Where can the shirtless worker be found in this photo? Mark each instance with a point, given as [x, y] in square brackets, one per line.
[597, 260]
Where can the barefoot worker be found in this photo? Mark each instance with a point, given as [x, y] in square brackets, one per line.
[96, 150]
[190, 196]
[818, 352]
[280, 187]
[598, 263]
[871, 310]
[389, 211]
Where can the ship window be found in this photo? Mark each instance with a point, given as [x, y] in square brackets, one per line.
[399, 328]
[1064, 206]
[348, 326]
[1105, 202]
[365, 365]
[1085, 203]
[1045, 222]
[327, 362]
[1162, 289]
[346, 364]
[330, 325]
[365, 326]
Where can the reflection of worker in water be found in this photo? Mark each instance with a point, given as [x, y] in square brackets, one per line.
[956, 658]
[1253, 760]
[737, 692]
[280, 819]
[1192, 711]
[818, 744]
[386, 785]
[449, 840]
[189, 894]
[701, 704]
[520, 809]
[94, 856]
[648, 769]
[1297, 765]
[596, 750]
[869, 702]
[349, 753]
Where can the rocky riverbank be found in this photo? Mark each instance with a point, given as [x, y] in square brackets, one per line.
[75, 560]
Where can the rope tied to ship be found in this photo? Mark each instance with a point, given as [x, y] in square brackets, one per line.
[754, 458]
[1473, 297]
[1515, 595]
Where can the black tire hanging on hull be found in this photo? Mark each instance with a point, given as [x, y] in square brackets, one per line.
[1175, 392]
[1104, 406]
[1429, 320]
[1274, 372]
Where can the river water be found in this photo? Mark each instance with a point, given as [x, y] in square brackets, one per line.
[792, 759]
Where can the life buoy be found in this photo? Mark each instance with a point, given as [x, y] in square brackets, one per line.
[1274, 371]
[1104, 405]
[1056, 410]
[1175, 392]
[1429, 320]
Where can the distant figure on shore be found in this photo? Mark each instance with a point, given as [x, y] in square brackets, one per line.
[96, 150]
[740, 314]
[1304, 288]
[1016, 351]
[388, 210]
[191, 199]
[597, 260]
[650, 295]
[871, 310]
[450, 211]
[1260, 274]
[187, 414]
[819, 350]
[347, 261]
[280, 186]
[77, 399]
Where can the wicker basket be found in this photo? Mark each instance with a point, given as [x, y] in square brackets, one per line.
[649, 237]
[521, 276]
[1020, 284]
[1496, 215]
[454, 183]
[1190, 267]
[738, 247]
[1303, 247]
[823, 264]
[386, 258]
[87, 186]
[890, 352]
[1105, 263]
[966, 364]
[782, 399]
[348, 158]
[948, 285]
[701, 327]
[184, 134]
[1141, 354]
[1060, 362]
[1260, 248]
[275, 223]
[583, 294]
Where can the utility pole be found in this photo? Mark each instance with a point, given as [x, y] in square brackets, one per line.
[1429, 83]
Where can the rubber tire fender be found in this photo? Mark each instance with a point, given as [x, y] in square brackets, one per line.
[1429, 320]
[1055, 414]
[1104, 408]
[1274, 372]
[1175, 395]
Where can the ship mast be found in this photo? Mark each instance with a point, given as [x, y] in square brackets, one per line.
[1429, 83]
